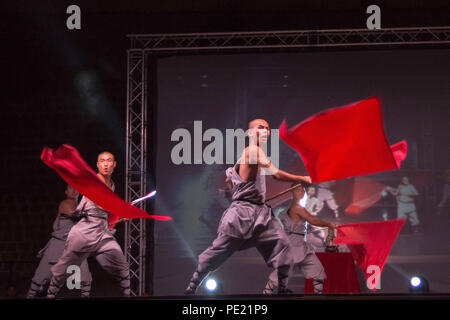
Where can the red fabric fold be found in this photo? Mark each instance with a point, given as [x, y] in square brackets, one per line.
[67, 162]
[341, 273]
[370, 242]
[366, 193]
[112, 218]
[399, 151]
[343, 142]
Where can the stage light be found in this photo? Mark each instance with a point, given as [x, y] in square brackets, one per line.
[418, 284]
[415, 281]
[211, 284]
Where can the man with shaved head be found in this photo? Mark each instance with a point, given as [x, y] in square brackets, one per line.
[249, 222]
[90, 236]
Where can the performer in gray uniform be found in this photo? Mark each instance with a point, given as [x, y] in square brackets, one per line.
[90, 236]
[248, 222]
[406, 208]
[52, 251]
[303, 256]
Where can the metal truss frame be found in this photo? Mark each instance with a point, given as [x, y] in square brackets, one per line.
[136, 167]
[143, 45]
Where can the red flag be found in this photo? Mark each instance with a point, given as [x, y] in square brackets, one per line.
[370, 244]
[399, 151]
[67, 162]
[343, 142]
[366, 193]
[112, 218]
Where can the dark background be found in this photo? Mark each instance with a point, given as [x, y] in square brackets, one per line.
[62, 86]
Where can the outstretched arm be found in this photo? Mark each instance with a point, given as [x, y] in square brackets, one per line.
[285, 176]
[393, 191]
[255, 155]
[305, 215]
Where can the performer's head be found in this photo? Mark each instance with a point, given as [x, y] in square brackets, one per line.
[106, 163]
[405, 180]
[311, 192]
[299, 192]
[71, 193]
[259, 129]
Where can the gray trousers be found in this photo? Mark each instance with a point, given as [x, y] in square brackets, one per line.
[108, 254]
[310, 267]
[43, 275]
[271, 243]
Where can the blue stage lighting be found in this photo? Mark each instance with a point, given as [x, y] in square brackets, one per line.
[211, 285]
[418, 284]
[415, 282]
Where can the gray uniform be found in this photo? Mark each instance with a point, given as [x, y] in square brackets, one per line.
[90, 236]
[324, 194]
[50, 254]
[248, 222]
[406, 207]
[304, 258]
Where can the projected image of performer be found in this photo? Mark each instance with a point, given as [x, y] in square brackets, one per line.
[248, 221]
[90, 236]
[314, 206]
[326, 195]
[67, 217]
[405, 194]
[304, 258]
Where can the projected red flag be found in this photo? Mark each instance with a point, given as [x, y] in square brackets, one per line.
[366, 193]
[370, 244]
[399, 151]
[67, 162]
[344, 142]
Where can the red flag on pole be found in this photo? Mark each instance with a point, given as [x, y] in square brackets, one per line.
[370, 244]
[343, 142]
[67, 162]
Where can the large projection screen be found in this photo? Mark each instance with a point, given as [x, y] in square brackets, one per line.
[227, 91]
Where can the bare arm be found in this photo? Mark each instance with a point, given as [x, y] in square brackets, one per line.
[285, 176]
[393, 191]
[254, 154]
[305, 215]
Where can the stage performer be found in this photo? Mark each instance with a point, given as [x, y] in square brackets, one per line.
[303, 256]
[406, 208]
[314, 206]
[248, 221]
[67, 217]
[325, 194]
[91, 236]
